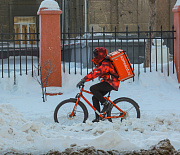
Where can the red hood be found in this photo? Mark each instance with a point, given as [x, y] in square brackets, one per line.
[102, 53]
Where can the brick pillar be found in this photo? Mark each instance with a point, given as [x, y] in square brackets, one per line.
[50, 42]
[176, 11]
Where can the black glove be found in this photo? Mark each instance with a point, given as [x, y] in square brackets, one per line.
[81, 83]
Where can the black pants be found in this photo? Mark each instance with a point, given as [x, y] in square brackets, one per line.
[99, 90]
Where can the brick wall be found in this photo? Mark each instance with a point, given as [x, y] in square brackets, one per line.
[11, 8]
[101, 13]
[119, 13]
[131, 13]
[4, 15]
[164, 14]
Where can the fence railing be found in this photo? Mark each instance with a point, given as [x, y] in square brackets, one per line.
[77, 51]
[19, 52]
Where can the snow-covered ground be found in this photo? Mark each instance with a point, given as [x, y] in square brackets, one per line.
[27, 125]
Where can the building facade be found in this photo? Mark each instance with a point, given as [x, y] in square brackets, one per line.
[84, 14]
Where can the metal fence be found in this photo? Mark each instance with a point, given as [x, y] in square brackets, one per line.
[19, 52]
[78, 51]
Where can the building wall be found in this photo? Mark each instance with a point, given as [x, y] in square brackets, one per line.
[131, 13]
[101, 13]
[11, 8]
[73, 15]
[164, 14]
[173, 2]
[119, 13]
[4, 15]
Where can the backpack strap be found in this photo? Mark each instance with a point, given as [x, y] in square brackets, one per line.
[107, 59]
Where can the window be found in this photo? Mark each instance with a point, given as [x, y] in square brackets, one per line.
[22, 24]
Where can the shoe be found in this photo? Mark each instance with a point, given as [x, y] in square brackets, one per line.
[109, 119]
[95, 120]
[106, 107]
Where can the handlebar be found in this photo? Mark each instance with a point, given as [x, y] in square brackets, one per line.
[81, 86]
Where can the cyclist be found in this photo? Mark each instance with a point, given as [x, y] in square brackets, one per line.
[105, 70]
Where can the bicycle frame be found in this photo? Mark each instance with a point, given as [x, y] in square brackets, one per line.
[80, 95]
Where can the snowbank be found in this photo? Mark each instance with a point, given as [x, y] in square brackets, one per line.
[27, 125]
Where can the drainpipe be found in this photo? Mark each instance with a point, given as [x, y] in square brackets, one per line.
[63, 8]
[85, 15]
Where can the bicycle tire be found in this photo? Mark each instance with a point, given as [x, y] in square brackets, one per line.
[126, 104]
[64, 108]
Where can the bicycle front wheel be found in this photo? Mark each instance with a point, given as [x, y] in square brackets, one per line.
[65, 108]
[129, 106]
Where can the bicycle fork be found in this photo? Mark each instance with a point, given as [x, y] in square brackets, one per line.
[74, 109]
[78, 96]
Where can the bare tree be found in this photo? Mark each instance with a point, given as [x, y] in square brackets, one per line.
[43, 81]
[152, 20]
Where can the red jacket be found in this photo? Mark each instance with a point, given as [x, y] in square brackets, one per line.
[105, 71]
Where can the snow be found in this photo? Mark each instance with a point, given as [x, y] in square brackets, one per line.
[49, 5]
[27, 125]
[177, 3]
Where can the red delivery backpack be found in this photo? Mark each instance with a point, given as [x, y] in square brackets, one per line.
[122, 64]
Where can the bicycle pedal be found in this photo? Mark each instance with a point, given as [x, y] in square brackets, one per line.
[102, 119]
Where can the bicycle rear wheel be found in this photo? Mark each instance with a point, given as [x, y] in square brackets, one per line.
[64, 109]
[129, 106]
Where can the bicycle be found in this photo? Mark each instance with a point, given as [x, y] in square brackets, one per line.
[74, 109]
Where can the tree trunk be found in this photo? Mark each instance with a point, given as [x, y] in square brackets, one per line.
[152, 18]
